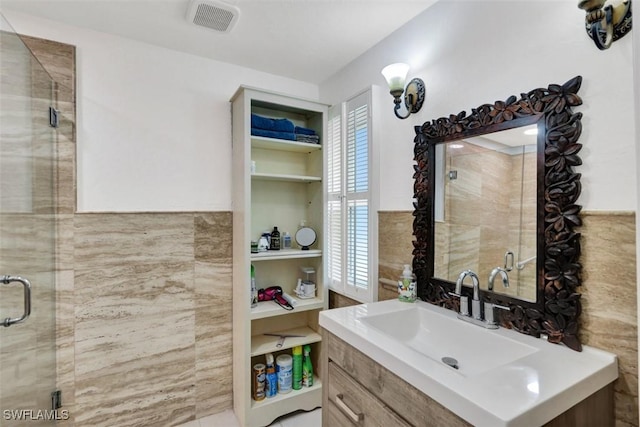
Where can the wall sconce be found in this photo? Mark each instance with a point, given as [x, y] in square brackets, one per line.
[606, 24]
[414, 93]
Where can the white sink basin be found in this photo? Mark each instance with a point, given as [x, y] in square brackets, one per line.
[433, 335]
[504, 378]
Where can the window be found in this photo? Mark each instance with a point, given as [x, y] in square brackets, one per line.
[352, 220]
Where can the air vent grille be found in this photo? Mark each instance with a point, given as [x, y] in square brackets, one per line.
[217, 16]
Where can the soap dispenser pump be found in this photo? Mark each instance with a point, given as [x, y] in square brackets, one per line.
[407, 285]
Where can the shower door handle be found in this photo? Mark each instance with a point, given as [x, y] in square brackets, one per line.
[26, 286]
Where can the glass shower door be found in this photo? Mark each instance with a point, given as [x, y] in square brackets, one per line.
[27, 237]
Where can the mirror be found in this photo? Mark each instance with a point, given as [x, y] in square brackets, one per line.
[552, 307]
[485, 210]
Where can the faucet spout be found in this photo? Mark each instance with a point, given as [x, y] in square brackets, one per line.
[474, 279]
[503, 275]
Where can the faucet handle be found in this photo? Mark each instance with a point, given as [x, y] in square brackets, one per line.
[464, 306]
[489, 314]
[464, 303]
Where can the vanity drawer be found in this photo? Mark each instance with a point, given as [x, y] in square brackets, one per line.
[416, 408]
[356, 406]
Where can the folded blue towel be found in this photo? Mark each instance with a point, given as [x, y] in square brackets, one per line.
[313, 139]
[304, 131]
[273, 134]
[278, 125]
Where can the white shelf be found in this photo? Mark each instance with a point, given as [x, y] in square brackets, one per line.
[285, 177]
[283, 145]
[286, 254]
[288, 398]
[263, 344]
[271, 308]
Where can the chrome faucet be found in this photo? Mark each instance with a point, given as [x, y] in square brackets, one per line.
[503, 274]
[487, 320]
[476, 310]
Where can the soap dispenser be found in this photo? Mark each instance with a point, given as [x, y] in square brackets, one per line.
[407, 285]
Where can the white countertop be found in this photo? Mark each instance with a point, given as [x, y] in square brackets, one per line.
[540, 383]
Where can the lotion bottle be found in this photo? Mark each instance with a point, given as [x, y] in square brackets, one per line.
[407, 285]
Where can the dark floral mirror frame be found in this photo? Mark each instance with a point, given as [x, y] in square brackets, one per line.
[556, 311]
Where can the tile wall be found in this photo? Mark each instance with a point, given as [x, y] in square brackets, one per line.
[143, 300]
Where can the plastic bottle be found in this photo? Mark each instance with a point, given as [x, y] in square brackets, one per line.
[297, 367]
[263, 243]
[254, 290]
[286, 240]
[272, 378]
[307, 367]
[283, 364]
[274, 244]
[258, 382]
[407, 285]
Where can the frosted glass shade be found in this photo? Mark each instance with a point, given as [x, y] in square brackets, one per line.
[396, 74]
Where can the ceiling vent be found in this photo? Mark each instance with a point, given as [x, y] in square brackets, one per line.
[215, 15]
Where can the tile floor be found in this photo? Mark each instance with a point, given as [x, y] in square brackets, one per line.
[228, 419]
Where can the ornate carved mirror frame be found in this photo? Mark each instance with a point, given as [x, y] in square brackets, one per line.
[557, 308]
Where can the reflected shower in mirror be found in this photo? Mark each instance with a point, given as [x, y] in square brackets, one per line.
[485, 210]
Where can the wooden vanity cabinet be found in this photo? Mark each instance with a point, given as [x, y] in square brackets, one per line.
[368, 389]
[358, 391]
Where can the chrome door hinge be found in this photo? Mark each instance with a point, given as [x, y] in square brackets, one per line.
[56, 400]
[54, 117]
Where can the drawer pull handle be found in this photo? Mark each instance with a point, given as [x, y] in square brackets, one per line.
[356, 418]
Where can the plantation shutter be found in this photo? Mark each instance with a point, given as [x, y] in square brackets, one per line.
[357, 192]
[334, 199]
[349, 154]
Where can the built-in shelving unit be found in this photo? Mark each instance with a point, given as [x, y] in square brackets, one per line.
[276, 182]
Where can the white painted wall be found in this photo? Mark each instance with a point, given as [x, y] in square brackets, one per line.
[474, 52]
[154, 128]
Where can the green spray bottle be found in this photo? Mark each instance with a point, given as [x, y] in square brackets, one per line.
[307, 367]
[297, 367]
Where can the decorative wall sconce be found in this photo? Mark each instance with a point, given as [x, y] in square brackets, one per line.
[414, 93]
[606, 23]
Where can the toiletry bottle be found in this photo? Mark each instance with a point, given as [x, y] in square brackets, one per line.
[407, 285]
[272, 378]
[286, 240]
[283, 369]
[263, 243]
[297, 367]
[254, 290]
[275, 240]
[307, 367]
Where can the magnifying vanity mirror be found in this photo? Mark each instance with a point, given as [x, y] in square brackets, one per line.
[495, 192]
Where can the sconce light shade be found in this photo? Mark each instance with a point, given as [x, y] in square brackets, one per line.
[606, 23]
[414, 94]
[395, 74]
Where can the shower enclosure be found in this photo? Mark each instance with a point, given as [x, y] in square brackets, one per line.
[27, 236]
